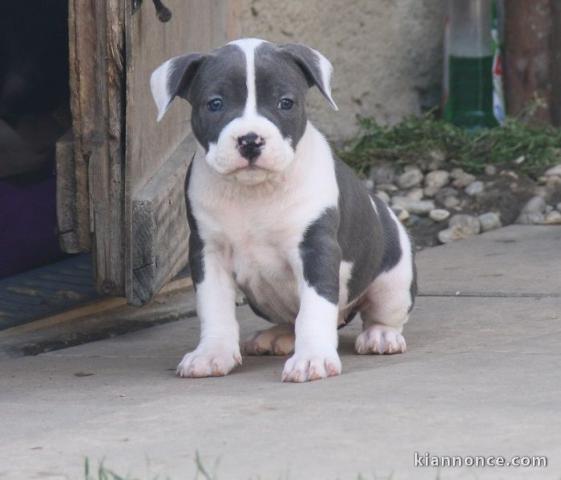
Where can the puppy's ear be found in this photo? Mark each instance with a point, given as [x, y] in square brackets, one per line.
[316, 68]
[173, 78]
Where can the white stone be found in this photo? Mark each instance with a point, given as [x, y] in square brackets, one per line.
[461, 226]
[475, 188]
[439, 214]
[558, 206]
[410, 178]
[553, 171]
[447, 236]
[415, 194]
[461, 178]
[489, 221]
[533, 212]
[383, 196]
[466, 225]
[451, 202]
[553, 218]
[535, 204]
[456, 173]
[419, 207]
[490, 170]
[434, 181]
[531, 218]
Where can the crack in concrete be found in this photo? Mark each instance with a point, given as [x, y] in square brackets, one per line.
[461, 294]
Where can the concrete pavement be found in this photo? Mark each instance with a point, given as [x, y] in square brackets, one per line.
[482, 376]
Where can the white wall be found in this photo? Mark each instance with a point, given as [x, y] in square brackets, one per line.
[387, 54]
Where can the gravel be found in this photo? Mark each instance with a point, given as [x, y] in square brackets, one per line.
[441, 205]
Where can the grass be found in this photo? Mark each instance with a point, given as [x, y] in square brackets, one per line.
[517, 145]
[201, 473]
[103, 473]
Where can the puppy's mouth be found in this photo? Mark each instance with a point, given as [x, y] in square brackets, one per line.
[250, 167]
[250, 174]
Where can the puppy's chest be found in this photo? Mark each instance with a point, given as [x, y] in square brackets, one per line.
[259, 256]
[256, 244]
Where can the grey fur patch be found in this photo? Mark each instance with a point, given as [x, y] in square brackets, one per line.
[277, 76]
[309, 62]
[413, 288]
[182, 71]
[321, 255]
[196, 244]
[221, 75]
[361, 233]
[392, 247]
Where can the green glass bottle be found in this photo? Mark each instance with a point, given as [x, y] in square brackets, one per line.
[469, 65]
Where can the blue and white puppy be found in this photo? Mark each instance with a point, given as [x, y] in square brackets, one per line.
[273, 213]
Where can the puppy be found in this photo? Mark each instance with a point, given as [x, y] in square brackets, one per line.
[273, 213]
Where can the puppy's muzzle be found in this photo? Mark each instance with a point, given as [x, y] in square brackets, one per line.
[250, 146]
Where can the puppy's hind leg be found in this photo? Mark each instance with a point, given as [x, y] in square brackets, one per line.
[277, 340]
[387, 303]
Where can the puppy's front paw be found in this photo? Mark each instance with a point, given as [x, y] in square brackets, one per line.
[380, 339]
[209, 362]
[314, 365]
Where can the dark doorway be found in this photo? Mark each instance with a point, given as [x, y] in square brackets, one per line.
[34, 113]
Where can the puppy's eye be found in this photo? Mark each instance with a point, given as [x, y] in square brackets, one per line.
[215, 105]
[285, 104]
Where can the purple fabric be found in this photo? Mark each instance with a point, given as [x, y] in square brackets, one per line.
[28, 222]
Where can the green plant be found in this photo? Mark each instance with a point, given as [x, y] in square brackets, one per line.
[517, 145]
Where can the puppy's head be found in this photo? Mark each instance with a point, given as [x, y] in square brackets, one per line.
[247, 102]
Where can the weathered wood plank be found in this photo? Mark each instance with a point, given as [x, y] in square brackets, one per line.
[66, 208]
[159, 226]
[82, 38]
[98, 108]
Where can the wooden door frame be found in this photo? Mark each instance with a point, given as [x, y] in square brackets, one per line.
[121, 221]
[97, 59]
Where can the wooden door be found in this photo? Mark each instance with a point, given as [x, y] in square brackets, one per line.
[124, 185]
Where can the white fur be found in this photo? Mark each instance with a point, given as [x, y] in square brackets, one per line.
[218, 351]
[248, 46]
[315, 349]
[224, 156]
[380, 339]
[326, 69]
[159, 87]
[387, 303]
[253, 233]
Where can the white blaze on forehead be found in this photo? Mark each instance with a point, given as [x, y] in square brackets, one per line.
[248, 47]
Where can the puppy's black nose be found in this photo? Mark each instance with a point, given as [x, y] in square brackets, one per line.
[250, 146]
